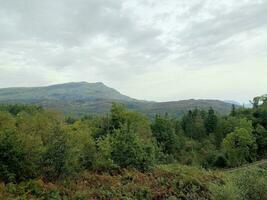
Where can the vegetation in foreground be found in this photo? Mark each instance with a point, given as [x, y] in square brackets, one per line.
[171, 182]
[124, 155]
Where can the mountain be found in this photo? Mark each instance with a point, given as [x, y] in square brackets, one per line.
[233, 102]
[67, 91]
[84, 98]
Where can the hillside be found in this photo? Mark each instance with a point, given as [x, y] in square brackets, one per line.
[86, 98]
[62, 92]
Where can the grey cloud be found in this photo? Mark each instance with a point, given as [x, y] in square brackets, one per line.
[121, 40]
[72, 21]
[70, 24]
[204, 41]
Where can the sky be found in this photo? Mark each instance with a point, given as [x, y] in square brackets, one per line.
[159, 50]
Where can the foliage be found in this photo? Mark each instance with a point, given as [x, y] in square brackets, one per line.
[164, 131]
[260, 134]
[55, 162]
[163, 182]
[252, 183]
[211, 121]
[17, 108]
[227, 191]
[240, 147]
[104, 160]
[20, 156]
[83, 146]
[244, 185]
[193, 124]
[121, 155]
[128, 150]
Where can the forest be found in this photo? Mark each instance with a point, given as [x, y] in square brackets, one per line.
[125, 155]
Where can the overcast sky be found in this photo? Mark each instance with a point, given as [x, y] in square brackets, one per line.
[148, 49]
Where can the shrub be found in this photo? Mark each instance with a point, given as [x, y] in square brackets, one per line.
[104, 160]
[83, 148]
[244, 185]
[220, 161]
[252, 183]
[164, 131]
[227, 191]
[20, 156]
[56, 161]
[128, 150]
[240, 147]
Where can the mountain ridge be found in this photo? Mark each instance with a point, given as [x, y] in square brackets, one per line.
[73, 90]
[82, 98]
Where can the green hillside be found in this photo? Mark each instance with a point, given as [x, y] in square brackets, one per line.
[65, 92]
[84, 98]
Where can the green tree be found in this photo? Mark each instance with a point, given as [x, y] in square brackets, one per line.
[104, 160]
[118, 116]
[240, 147]
[56, 161]
[20, 155]
[17, 108]
[233, 111]
[163, 130]
[193, 124]
[6, 121]
[211, 121]
[128, 150]
[188, 124]
[260, 134]
[256, 102]
[260, 116]
[83, 147]
[121, 117]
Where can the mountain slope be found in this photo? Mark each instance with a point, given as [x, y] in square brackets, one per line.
[96, 98]
[67, 91]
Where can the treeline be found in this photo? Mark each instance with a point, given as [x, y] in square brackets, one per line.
[41, 143]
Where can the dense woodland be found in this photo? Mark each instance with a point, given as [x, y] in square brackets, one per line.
[125, 155]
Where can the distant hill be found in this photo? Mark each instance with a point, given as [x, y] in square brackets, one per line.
[84, 98]
[233, 102]
[62, 92]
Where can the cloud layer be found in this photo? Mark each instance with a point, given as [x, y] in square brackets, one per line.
[147, 49]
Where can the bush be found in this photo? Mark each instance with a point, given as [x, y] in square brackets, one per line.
[252, 183]
[164, 131]
[83, 147]
[220, 161]
[20, 156]
[128, 150]
[57, 158]
[245, 185]
[240, 147]
[7, 122]
[228, 191]
[104, 160]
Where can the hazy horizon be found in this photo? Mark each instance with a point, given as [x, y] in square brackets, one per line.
[144, 49]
